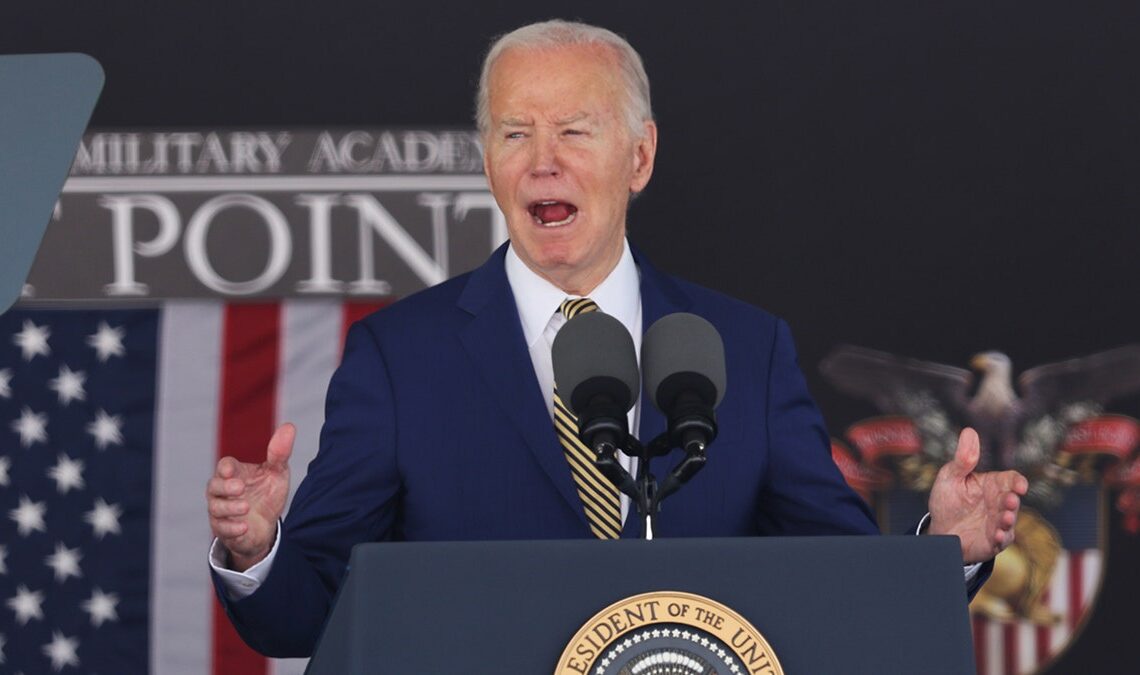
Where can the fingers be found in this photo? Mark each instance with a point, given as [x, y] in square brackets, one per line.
[1011, 481]
[227, 467]
[228, 530]
[227, 508]
[227, 514]
[225, 487]
[968, 452]
[1007, 518]
[1020, 483]
[224, 500]
[1002, 540]
[281, 446]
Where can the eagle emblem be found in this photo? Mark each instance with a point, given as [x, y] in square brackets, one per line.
[1053, 427]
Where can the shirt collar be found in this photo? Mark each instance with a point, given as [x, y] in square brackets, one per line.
[619, 294]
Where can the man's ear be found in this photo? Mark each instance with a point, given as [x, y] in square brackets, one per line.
[486, 158]
[644, 152]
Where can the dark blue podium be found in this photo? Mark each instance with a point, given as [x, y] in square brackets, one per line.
[824, 605]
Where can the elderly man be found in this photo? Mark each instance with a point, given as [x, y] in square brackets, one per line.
[441, 421]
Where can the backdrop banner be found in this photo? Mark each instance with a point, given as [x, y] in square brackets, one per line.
[208, 213]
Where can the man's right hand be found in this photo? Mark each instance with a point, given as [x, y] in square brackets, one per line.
[245, 500]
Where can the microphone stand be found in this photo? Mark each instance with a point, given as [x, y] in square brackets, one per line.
[644, 491]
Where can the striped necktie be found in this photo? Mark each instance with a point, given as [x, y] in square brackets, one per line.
[599, 496]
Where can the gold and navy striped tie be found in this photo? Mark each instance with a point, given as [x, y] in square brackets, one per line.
[599, 496]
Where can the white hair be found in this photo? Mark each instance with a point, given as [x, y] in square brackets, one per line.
[558, 33]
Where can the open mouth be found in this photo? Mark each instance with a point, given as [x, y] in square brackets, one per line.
[553, 213]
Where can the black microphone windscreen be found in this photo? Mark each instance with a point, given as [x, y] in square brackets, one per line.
[595, 349]
[682, 343]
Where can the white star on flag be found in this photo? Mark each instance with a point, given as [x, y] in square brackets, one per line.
[107, 341]
[32, 340]
[32, 427]
[106, 429]
[129, 394]
[5, 464]
[68, 386]
[65, 562]
[67, 474]
[29, 516]
[61, 650]
[26, 604]
[5, 383]
[104, 518]
[101, 607]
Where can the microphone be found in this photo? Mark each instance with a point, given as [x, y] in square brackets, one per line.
[682, 356]
[595, 368]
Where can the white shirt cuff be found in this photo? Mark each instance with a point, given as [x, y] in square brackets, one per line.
[240, 585]
[969, 571]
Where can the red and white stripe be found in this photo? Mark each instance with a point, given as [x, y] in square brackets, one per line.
[1021, 647]
[228, 375]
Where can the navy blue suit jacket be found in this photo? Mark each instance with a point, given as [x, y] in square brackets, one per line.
[436, 429]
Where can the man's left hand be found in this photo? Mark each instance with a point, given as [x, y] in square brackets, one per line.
[980, 508]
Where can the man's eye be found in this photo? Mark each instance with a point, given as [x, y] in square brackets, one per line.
[515, 135]
[574, 132]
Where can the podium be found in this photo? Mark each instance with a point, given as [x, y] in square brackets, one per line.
[823, 605]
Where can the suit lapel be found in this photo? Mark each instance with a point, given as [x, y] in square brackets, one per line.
[494, 342]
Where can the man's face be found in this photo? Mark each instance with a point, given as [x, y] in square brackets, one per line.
[561, 161]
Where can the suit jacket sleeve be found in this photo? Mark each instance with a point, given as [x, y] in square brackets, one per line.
[349, 495]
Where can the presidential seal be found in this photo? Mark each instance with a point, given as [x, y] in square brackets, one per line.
[668, 632]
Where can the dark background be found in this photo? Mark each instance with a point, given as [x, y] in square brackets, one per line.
[931, 179]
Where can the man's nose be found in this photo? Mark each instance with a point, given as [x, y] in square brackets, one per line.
[545, 156]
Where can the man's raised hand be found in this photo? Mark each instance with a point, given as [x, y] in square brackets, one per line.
[246, 500]
[981, 508]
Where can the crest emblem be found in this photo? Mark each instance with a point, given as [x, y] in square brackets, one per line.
[1053, 428]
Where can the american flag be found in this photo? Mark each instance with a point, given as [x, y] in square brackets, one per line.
[110, 425]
